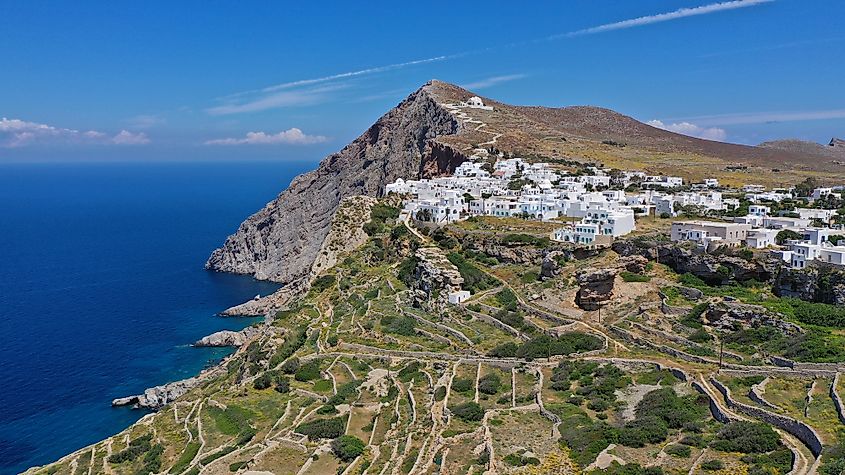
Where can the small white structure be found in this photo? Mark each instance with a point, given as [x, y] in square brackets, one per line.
[707, 232]
[760, 238]
[711, 183]
[458, 297]
[820, 193]
[475, 102]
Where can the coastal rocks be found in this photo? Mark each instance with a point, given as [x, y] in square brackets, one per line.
[282, 241]
[596, 287]
[729, 315]
[157, 397]
[228, 338]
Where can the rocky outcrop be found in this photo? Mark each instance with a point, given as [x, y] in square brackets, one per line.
[282, 241]
[345, 234]
[434, 273]
[228, 338]
[815, 283]
[713, 268]
[595, 287]
[729, 315]
[157, 397]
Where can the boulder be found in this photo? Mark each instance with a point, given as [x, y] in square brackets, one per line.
[595, 287]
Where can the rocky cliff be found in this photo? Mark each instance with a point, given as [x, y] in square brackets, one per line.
[282, 241]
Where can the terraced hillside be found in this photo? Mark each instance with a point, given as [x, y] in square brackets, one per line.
[374, 372]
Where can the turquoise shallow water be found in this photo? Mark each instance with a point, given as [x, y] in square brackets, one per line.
[102, 289]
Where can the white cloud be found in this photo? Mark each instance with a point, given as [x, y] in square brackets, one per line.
[146, 121]
[661, 17]
[128, 138]
[264, 101]
[292, 136]
[492, 81]
[686, 128]
[766, 117]
[298, 94]
[21, 133]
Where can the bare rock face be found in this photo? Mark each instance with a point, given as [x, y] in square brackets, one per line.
[282, 241]
[596, 287]
[634, 263]
[434, 272]
[816, 283]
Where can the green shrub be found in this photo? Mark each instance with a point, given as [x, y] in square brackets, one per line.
[323, 282]
[440, 393]
[323, 428]
[135, 449]
[474, 279]
[632, 277]
[290, 366]
[504, 350]
[643, 431]
[468, 411]
[520, 239]
[234, 467]
[712, 465]
[282, 385]
[489, 384]
[185, 458]
[401, 325]
[462, 385]
[544, 346]
[700, 336]
[347, 447]
[308, 372]
[681, 451]
[746, 437]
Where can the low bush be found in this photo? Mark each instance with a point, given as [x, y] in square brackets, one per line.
[308, 372]
[323, 428]
[468, 411]
[746, 437]
[347, 447]
[489, 384]
[681, 451]
[632, 277]
[462, 385]
[712, 465]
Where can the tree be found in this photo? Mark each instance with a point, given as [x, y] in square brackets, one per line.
[347, 447]
[806, 187]
[786, 235]
[424, 215]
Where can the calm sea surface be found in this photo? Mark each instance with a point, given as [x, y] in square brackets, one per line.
[102, 289]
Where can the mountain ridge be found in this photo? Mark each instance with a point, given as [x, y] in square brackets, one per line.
[422, 137]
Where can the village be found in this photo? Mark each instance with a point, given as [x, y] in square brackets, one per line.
[594, 205]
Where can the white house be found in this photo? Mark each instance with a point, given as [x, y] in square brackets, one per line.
[711, 183]
[820, 193]
[760, 238]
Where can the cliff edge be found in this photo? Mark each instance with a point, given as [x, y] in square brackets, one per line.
[281, 242]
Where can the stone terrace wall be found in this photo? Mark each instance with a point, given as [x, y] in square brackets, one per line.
[800, 430]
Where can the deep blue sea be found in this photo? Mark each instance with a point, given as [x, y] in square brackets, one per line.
[102, 289]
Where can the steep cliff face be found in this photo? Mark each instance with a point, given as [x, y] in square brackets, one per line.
[281, 242]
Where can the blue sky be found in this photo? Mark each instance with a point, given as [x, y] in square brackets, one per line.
[270, 80]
